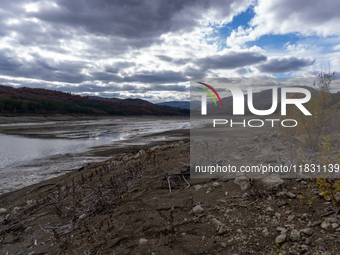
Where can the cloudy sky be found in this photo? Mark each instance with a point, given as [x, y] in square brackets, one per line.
[150, 49]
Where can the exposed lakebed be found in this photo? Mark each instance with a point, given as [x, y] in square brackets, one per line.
[34, 151]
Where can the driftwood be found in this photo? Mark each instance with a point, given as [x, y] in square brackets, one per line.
[174, 179]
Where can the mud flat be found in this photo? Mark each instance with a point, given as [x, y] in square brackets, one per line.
[36, 148]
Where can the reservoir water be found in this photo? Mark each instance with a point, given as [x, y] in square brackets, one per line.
[31, 152]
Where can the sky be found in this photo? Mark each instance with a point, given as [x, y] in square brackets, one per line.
[150, 49]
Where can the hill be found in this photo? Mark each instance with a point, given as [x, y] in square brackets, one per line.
[31, 100]
[180, 104]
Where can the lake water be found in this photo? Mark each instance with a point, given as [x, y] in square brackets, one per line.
[38, 151]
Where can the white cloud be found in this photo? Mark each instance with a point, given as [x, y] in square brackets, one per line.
[307, 18]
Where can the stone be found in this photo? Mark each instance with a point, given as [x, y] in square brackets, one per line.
[331, 220]
[304, 216]
[243, 182]
[319, 241]
[294, 235]
[216, 184]
[143, 241]
[220, 227]
[278, 215]
[335, 225]
[3, 210]
[282, 230]
[198, 187]
[265, 232]
[290, 195]
[280, 238]
[269, 210]
[325, 225]
[30, 202]
[313, 224]
[307, 231]
[197, 209]
[272, 183]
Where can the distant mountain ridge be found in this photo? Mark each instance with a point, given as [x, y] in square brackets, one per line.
[32, 100]
[180, 104]
[133, 101]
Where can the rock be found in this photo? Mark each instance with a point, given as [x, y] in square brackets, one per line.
[198, 187]
[216, 184]
[16, 209]
[197, 209]
[265, 232]
[307, 231]
[220, 227]
[315, 223]
[290, 195]
[335, 225]
[308, 241]
[280, 238]
[31, 253]
[140, 154]
[294, 235]
[3, 210]
[224, 245]
[281, 194]
[143, 241]
[282, 230]
[226, 193]
[243, 182]
[337, 230]
[325, 225]
[30, 202]
[272, 183]
[304, 216]
[278, 215]
[319, 241]
[331, 220]
[269, 210]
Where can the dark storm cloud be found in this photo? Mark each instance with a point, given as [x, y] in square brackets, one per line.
[7, 63]
[231, 60]
[96, 30]
[122, 23]
[284, 65]
[41, 68]
[180, 61]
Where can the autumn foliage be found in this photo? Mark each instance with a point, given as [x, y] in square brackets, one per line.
[28, 100]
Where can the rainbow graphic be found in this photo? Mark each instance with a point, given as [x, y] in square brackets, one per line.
[213, 90]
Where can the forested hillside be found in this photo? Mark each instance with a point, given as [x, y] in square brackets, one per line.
[28, 100]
